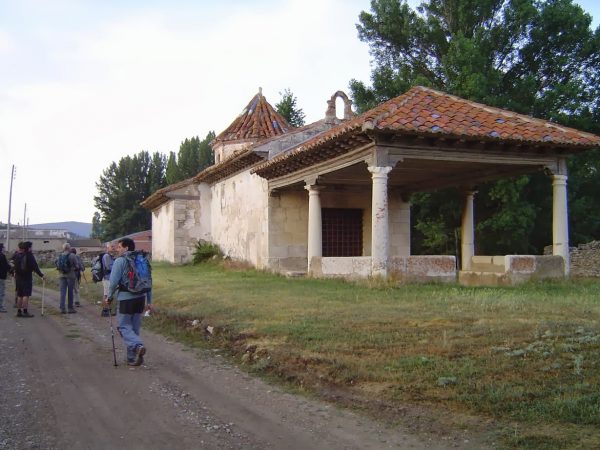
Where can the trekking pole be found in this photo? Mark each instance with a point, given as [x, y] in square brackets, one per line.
[112, 334]
[43, 292]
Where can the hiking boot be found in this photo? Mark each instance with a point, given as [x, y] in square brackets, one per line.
[63, 311]
[140, 351]
[77, 304]
[27, 314]
[105, 313]
[71, 311]
[19, 313]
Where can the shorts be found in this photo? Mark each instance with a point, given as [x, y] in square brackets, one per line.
[24, 286]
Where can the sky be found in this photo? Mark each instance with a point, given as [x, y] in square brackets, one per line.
[84, 83]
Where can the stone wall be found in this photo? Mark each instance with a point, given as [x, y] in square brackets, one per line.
[585, 259]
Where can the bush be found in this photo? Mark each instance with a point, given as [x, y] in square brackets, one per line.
[205, 251]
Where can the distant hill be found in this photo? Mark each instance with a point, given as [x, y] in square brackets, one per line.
[81, 229]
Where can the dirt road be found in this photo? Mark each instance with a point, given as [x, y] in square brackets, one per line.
[60, 390]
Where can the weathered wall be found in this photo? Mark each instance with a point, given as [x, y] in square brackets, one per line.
[401, 268]
[223, 151]
[585, 259]
[425, 268]
[177, 226]
[239, 217]
[288, 231]
[399, 219]
[509, 270]
[163, 232]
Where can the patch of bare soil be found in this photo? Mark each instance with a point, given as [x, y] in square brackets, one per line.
[60, 390]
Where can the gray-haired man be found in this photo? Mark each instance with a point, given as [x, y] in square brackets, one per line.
[66, 265]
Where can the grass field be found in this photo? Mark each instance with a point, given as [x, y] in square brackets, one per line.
[527, 358]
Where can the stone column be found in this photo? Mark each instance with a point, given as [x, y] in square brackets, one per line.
[315, 226]
[379, 222]
[467, 236]
[560, 219]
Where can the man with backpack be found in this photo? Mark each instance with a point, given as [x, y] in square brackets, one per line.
[67, 264]
[131, 279]
[24, 264]
[101, 268]
[78, 271]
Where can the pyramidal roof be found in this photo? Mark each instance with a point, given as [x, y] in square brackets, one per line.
[257, 121]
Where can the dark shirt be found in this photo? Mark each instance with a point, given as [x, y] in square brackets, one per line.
[5, 268]
[30, 267]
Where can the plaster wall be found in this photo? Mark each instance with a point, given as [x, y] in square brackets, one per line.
[224, 150]
[238, 217]
[399, 219]
[163, 232]
[288, 231]
[176, 226]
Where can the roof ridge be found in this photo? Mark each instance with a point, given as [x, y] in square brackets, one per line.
[258, 120]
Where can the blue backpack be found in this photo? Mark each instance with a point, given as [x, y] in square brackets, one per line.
[139, 274]
[63, 264]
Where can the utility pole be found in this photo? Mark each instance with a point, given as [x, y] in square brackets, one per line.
[24, 223]
[12, 177]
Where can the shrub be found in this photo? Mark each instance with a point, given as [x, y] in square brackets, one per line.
[205, 251]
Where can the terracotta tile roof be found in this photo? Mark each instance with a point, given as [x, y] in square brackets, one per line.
[257, 121]
[426, 112]
[159, 197]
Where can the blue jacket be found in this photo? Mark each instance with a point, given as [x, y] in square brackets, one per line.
[118, 276]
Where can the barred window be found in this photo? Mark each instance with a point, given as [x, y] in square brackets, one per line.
[342, 232]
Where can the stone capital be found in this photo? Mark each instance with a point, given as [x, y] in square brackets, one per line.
[379, 171]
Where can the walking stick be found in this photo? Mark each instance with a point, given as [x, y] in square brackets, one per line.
[43, 292]
[112, 334]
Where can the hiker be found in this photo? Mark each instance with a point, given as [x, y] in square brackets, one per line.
[15, 255]
[24, 265]
[131, 306]
[5, 269]
[107, 263]
[78, 271]
[66, 264]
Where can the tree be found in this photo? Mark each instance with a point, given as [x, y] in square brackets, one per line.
[206, 154]
[172, 171]
[121, 189]
[194, 156]
[96, 226]
[535, 57]
[288, 108]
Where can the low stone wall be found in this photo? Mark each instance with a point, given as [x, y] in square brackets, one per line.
[509, 270]
[585, 259]
[424, 268]
[403, 268]
[351, 267]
